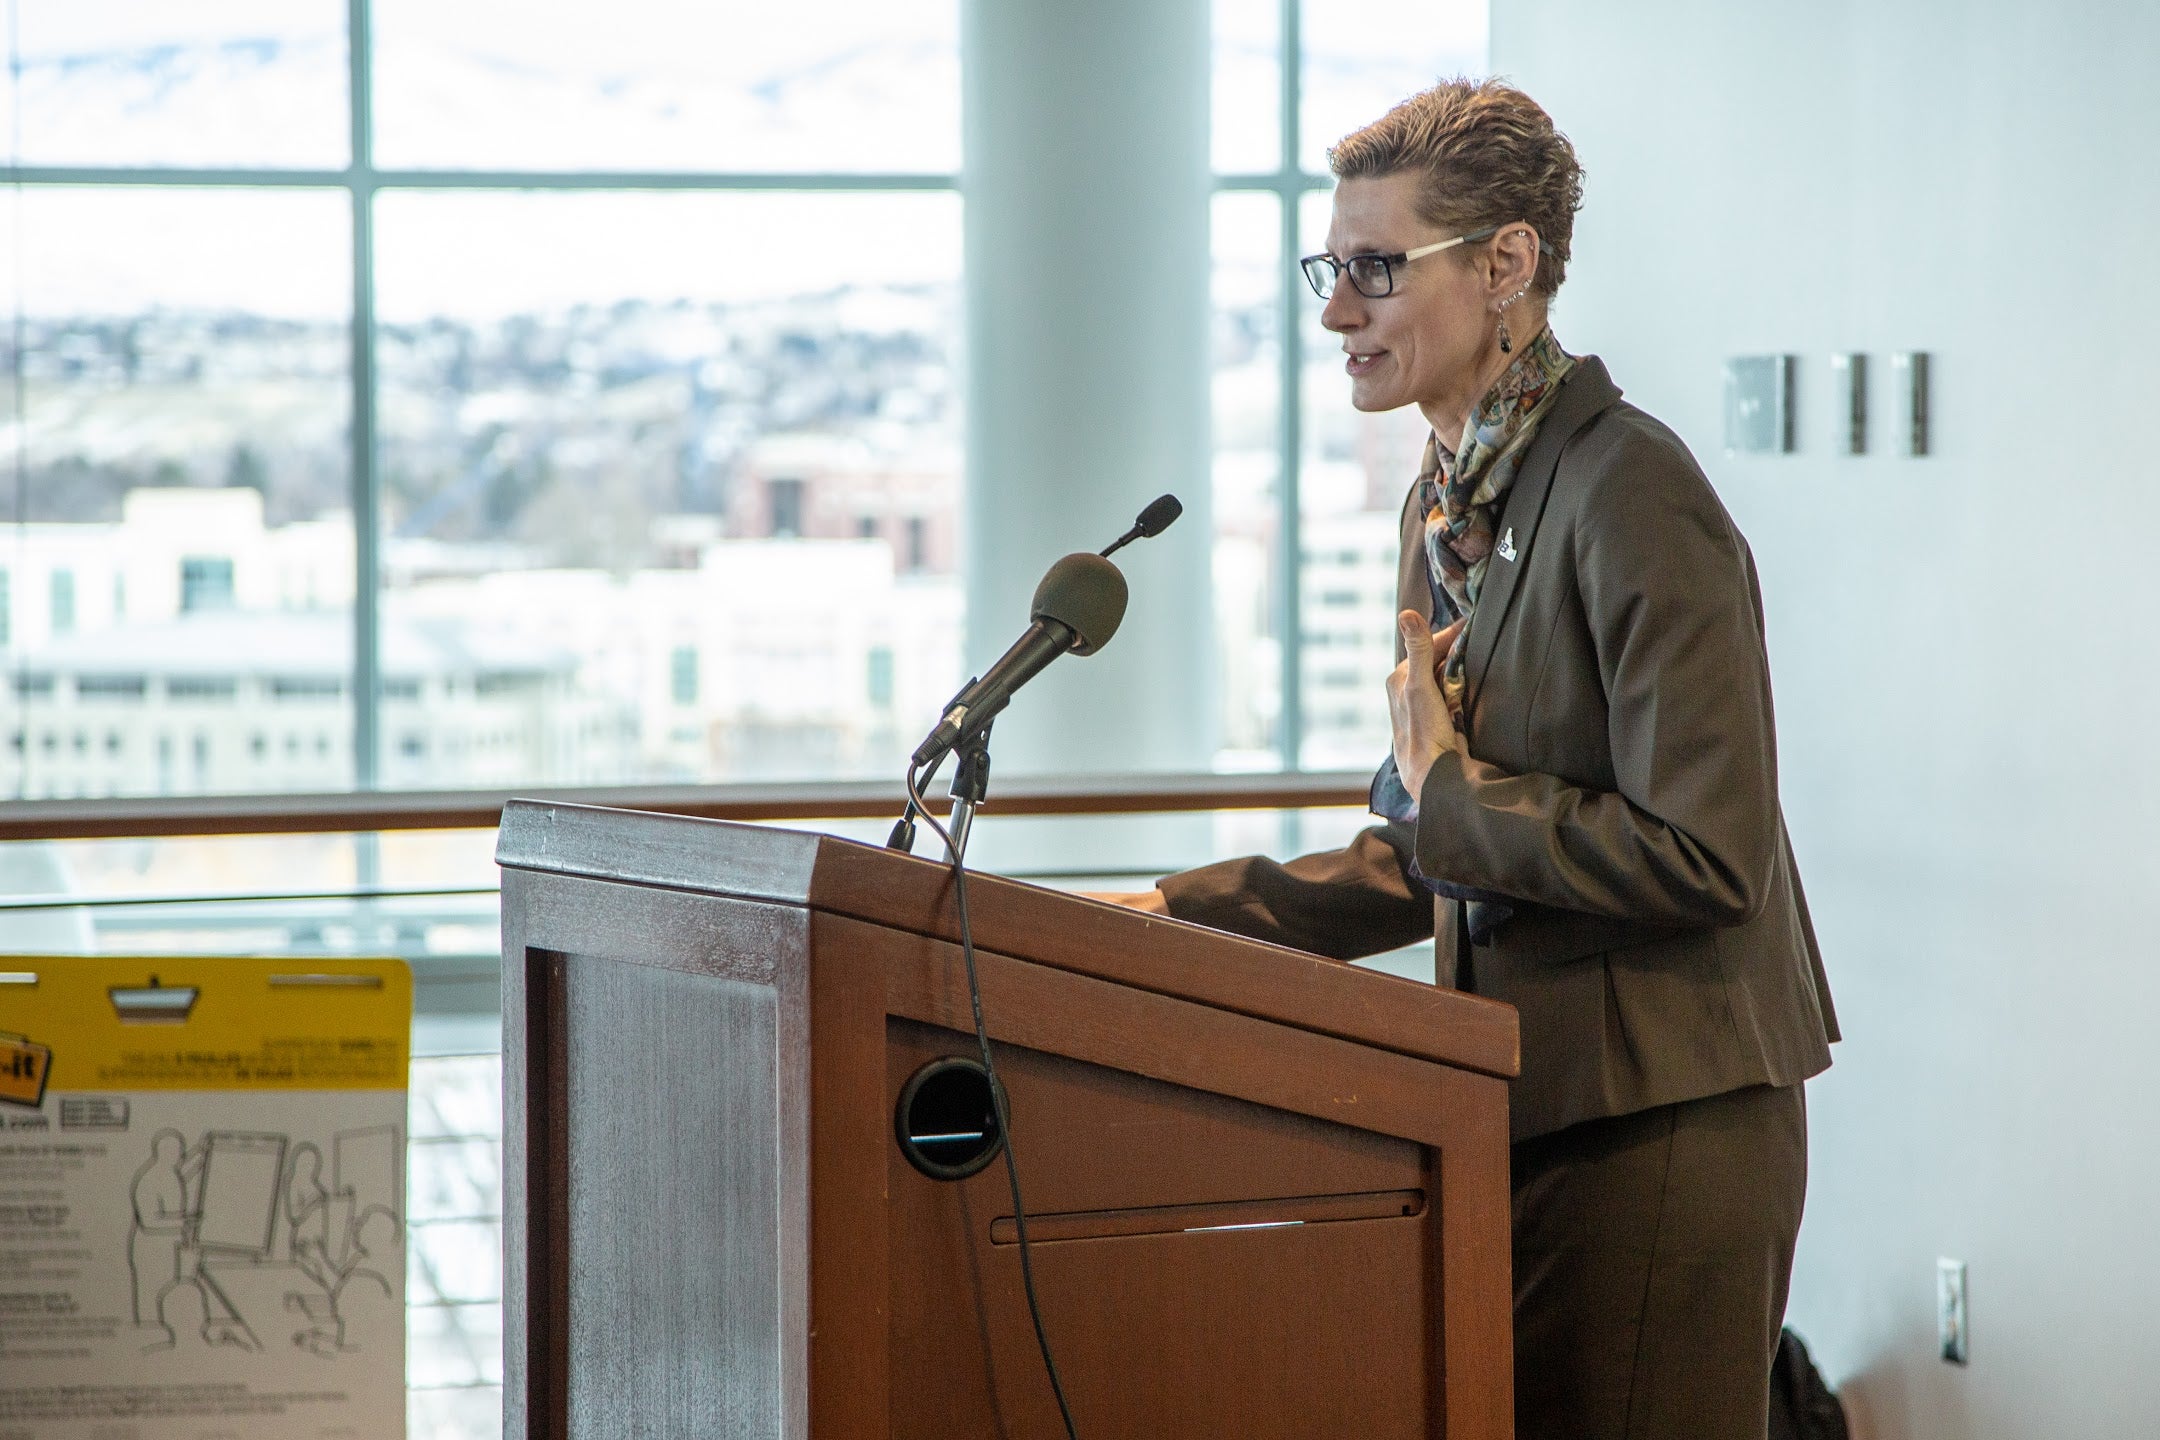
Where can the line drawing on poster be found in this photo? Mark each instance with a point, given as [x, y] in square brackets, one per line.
[241, 1241]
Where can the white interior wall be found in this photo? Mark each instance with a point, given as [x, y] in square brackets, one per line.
[1962, 644]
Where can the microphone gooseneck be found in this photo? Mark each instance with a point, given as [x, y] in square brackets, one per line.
[1077, 607]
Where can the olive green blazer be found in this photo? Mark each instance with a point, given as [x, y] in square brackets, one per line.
[1620, 786]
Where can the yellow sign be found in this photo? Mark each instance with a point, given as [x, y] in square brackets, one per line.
[206, 1023]
[202, 1185]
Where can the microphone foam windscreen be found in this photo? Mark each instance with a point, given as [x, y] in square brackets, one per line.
[1086, 593]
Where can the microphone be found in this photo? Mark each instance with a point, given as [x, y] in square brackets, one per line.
[1077, 607]
[1161, 511]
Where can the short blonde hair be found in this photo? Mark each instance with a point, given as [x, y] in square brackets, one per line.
[1488, 154]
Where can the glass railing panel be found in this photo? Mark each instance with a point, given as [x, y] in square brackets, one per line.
[453, 1294]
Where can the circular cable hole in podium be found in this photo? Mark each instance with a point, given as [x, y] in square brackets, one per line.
[946, 1120]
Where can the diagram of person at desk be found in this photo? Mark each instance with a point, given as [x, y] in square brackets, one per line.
[166, 1246]
[359, 1297]
[233, 1238]
[344, 1262]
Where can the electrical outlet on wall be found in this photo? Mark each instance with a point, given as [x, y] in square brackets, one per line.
[1950, 1316]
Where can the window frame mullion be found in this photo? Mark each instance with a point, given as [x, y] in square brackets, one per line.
[366, 487]
[1291, 186]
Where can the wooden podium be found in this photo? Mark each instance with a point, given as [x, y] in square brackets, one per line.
[1267, 1193]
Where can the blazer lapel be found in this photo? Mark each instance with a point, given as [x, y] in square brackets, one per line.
[1586, 393]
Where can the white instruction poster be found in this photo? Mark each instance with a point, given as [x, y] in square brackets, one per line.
[202, 1199]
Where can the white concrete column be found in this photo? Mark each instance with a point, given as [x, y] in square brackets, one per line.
[1086, 181]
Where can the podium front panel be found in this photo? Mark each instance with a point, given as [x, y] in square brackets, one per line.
[655, 1166]
[1206, 1267]
[673, 1243]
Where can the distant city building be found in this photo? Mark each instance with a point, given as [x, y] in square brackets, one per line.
[200, 651]
[173, 552]
[723, 539]
[230, 701]
[780, 659]
[1347, 591]
[836, 487]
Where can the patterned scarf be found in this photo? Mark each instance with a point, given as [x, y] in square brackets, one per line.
[1462, 492]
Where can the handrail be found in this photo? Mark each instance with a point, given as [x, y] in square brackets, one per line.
[10, 904]
[349, 812]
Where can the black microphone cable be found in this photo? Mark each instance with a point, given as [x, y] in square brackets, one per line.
[997, 1091]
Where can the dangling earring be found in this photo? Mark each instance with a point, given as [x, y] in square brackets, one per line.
[1507, 341]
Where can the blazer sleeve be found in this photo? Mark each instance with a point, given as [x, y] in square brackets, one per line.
[1344, 903]
[1359, 900]
[1689, 835]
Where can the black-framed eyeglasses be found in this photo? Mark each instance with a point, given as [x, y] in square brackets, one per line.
[1373, 275]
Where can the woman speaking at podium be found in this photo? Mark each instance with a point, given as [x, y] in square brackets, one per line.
[1582, 798]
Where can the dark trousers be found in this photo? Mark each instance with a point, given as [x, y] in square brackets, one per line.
[1652, 1256]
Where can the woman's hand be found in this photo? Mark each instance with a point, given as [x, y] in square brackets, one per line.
[1424, 731]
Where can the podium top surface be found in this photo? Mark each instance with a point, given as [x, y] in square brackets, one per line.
[1046, 927]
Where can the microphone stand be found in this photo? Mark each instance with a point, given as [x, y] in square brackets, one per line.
[903, 831]
[970, 787]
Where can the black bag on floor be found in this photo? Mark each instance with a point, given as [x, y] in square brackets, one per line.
[1801, 1405]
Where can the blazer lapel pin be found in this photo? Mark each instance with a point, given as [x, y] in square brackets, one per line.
[1507, 544]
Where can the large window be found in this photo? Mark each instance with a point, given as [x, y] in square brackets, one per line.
[1307, 491]
[623, 342]
[402, 409]
[615, 428]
